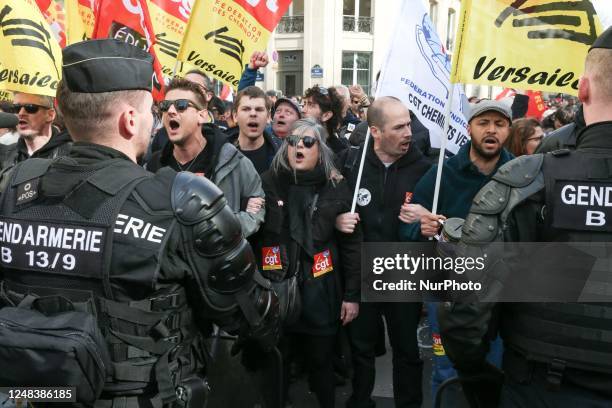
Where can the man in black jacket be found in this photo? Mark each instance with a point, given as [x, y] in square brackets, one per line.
[37, 136]
[392, 168]
[251, 112]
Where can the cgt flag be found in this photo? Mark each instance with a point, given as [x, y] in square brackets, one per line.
[525, 44]
[221, 36]
[30, 57]
[129, 21]
[80, 20]
[169, 19]
[417, 71]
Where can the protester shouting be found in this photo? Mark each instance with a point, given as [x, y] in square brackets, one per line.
[304, 194]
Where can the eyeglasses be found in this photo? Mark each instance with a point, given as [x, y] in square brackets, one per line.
[308, 141]
[181, 105]
[29, 107]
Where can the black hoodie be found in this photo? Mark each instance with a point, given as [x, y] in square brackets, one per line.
[204, 163]
[271, 143]
[58, 145]
[383, 190]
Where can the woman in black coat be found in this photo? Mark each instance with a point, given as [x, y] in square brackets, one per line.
[304, 194]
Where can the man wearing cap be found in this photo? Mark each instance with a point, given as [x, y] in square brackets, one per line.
[463, 176]
[150, 257]
[37, 136]
[286, 111]
[556, 354]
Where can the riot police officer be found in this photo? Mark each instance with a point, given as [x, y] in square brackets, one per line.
[110, 274]
[556, 354]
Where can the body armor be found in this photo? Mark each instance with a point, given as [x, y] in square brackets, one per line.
[575, 335]
[105, 237]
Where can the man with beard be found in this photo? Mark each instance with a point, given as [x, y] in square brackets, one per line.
[251, 113]
[285, 113]
[463, 176]
[199, 147]
[37, 136]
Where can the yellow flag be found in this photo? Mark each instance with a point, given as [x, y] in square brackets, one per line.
[80, 20]
[222, 35]
[169, 19]
[524, 44]
[6, 96]
[30, 57]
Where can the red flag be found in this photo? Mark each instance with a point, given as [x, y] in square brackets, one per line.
[129, 21]
[536, 105]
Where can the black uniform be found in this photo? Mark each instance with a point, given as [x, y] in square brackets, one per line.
[557, 354]
[110, 275]
[156, 257]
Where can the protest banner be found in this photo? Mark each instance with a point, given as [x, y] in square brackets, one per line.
[56, 18]
[525, 44]
[129, 21]
[80, 20]
[30, 57]
[6, 96]
[221, 36]
[169, 19]
[417, 72]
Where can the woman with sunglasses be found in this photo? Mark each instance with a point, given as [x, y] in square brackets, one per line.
[304, 194]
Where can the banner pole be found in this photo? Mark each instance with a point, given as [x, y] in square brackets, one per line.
[377, 95]
[443, 142]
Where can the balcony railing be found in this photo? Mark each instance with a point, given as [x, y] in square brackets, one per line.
[358, 24]
[290, 24]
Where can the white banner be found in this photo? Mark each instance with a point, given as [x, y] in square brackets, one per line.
[417, 71]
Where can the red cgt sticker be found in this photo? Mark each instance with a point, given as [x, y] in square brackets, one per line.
[322, 263]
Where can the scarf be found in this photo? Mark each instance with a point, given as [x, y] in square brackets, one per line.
[302, 193]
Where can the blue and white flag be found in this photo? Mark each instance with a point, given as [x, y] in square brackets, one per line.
[417, 71]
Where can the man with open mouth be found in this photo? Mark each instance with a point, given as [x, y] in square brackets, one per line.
[286, 112]
[463, 176]
[37, 136]
[198, 146]
[251, 113]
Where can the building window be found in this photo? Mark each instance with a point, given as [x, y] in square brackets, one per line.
[293, 20]
[433, 12]
[357, 69]
[450, 30]
[357, 16]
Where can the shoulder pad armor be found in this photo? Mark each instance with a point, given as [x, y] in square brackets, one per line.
[491, 199]
[195, 198]
[198, 203]
[480, 228]
[521, 171]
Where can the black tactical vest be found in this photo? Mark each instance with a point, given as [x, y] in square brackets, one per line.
[86, 244]
[575, 335]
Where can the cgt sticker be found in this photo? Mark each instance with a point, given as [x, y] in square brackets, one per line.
[271, 258]
[438, 349]
[322, 264]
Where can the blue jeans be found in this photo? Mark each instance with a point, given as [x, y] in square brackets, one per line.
[442, 368]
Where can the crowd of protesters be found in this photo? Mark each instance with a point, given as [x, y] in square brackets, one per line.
[288, 168]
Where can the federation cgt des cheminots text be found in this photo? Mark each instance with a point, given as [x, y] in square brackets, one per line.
[422, 263]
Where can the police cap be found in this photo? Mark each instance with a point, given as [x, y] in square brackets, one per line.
[106, 66]
[604, 40]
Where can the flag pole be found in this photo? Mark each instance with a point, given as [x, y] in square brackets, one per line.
[377, 95]
[443, 142]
